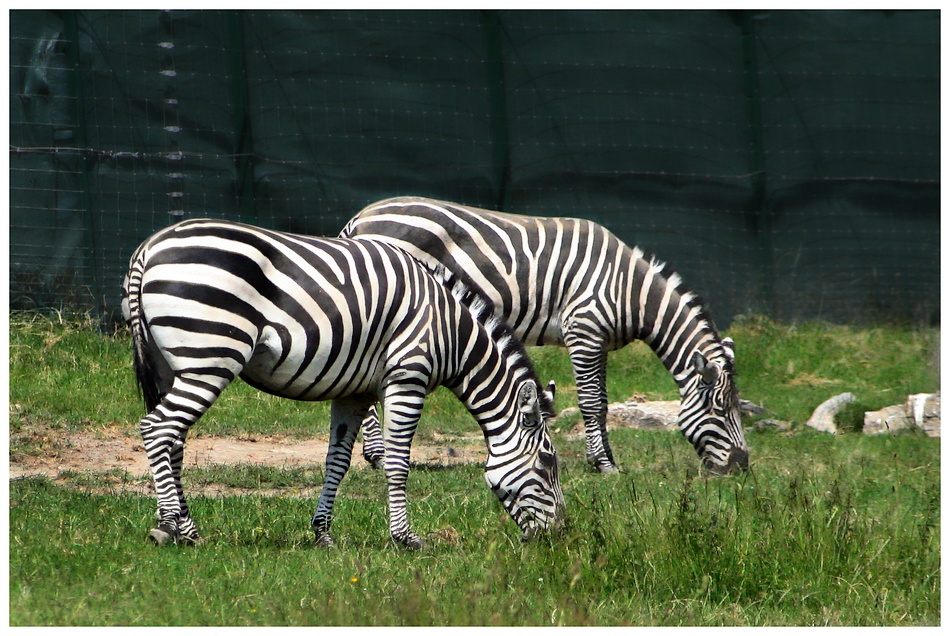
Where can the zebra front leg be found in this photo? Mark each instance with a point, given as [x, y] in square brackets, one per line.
[345, 417]
[401, 415]
[372, 438]
[397, 473]
[589, 360]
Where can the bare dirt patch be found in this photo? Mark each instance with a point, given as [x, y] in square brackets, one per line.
[39, 449]
[54, 453]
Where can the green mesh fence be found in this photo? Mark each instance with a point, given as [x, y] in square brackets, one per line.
[784, 162]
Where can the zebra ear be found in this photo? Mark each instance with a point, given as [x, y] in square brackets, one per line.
[528, 404]
[548, 395]
[730, 348]
[708, 372]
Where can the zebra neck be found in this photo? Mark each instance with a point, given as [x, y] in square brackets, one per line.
[489, 363]
[677, 356]
[666, 316]
[488, 392]
[489, 386]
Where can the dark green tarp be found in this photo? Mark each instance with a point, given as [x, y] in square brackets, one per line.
[785, 162]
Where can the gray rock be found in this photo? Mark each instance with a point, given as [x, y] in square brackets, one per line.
[750, 408]
[823, 419]
[889, 419]
[770, 424]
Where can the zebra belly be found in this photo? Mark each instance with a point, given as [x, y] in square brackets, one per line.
[324, 376]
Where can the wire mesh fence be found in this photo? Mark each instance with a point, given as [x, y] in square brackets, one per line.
[784, 162]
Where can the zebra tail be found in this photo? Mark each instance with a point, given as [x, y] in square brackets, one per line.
[145, 372]
[147, 375]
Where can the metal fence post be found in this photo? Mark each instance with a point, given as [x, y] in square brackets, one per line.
[78, 116]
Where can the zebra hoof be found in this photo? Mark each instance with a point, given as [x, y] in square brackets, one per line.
[162, 536]
[190, 539]
[324, 540]
[412, 542]
[610, 469]
[165, 535]
[376, 461]
[603, 465]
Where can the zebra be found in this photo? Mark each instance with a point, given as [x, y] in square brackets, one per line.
[571, 282]
[348, 320]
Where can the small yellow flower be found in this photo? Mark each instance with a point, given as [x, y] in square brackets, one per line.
[354, 579]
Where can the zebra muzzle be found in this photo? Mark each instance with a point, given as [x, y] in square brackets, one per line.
[738, 460]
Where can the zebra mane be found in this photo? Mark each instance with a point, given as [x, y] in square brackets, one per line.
[691, 298]
[485, 312]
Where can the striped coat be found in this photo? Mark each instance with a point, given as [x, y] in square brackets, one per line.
[352, 321]
[571, 282]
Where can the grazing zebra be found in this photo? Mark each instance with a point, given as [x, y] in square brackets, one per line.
[352, 321]
[571, 282]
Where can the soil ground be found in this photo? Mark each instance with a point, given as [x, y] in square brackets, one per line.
[38, 449]
[55, 453]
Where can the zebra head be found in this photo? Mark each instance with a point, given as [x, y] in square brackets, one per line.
[522, 468]
[709, 415]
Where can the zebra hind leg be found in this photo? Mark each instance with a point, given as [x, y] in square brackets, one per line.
[187, 530]
[163, 436]
[175, 525]
[373, 438]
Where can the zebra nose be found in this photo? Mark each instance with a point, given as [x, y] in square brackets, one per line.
[738, 459]
[554, 525]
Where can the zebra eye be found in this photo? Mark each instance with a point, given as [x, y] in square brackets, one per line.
[547, 459]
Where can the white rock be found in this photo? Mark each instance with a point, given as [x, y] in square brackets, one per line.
[647, 415]
[921, 410]
[659, 415]
[924, 410]
[823, 419]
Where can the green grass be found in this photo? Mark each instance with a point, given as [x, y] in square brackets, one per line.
[64, 373]
[826, 530]
[843, 531]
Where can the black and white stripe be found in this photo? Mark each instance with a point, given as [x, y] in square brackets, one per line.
[571, 282]
[352, 321]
